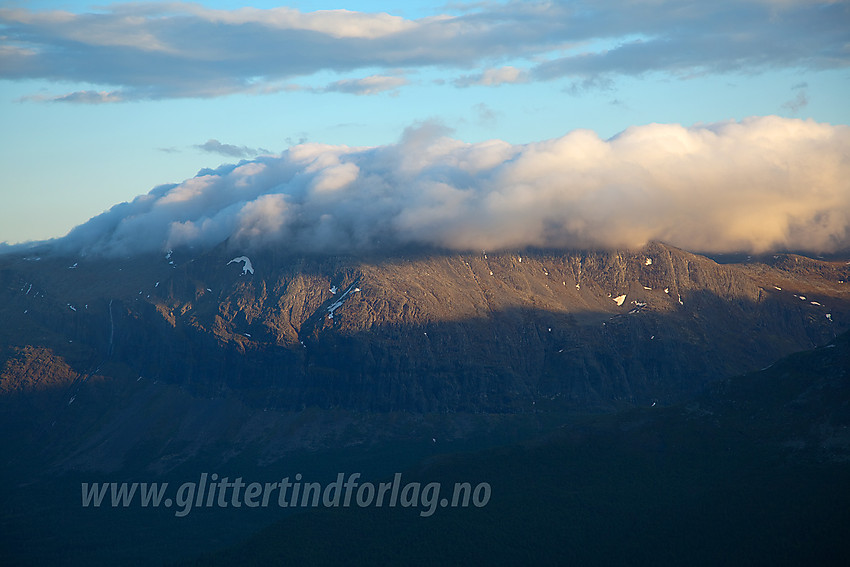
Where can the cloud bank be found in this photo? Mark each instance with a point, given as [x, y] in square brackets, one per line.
[173, 49]
[761, 184]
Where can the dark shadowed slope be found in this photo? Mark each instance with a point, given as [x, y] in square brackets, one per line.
[753, 472]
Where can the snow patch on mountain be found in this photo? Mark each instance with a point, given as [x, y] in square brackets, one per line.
[247, 266]
[338, 303]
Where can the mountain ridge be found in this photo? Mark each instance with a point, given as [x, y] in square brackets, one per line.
[546, 309]
[96, 358]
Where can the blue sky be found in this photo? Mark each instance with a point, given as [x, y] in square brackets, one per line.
[102, 102]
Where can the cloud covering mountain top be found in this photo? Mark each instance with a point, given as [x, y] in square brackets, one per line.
[761, 184]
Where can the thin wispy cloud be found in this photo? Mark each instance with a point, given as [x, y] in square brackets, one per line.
[799, 102]
[371, 85]
[82, 97]
[493, 77]
[486, 116]
[167, 50]
[760, 184]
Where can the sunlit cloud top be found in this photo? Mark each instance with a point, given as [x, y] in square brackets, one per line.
[760, 184]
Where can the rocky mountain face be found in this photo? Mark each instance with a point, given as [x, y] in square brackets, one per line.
[421, 332]
[170, 356]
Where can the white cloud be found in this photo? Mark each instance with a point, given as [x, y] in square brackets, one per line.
[334, 23]
[162, 50]
[760, 184]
